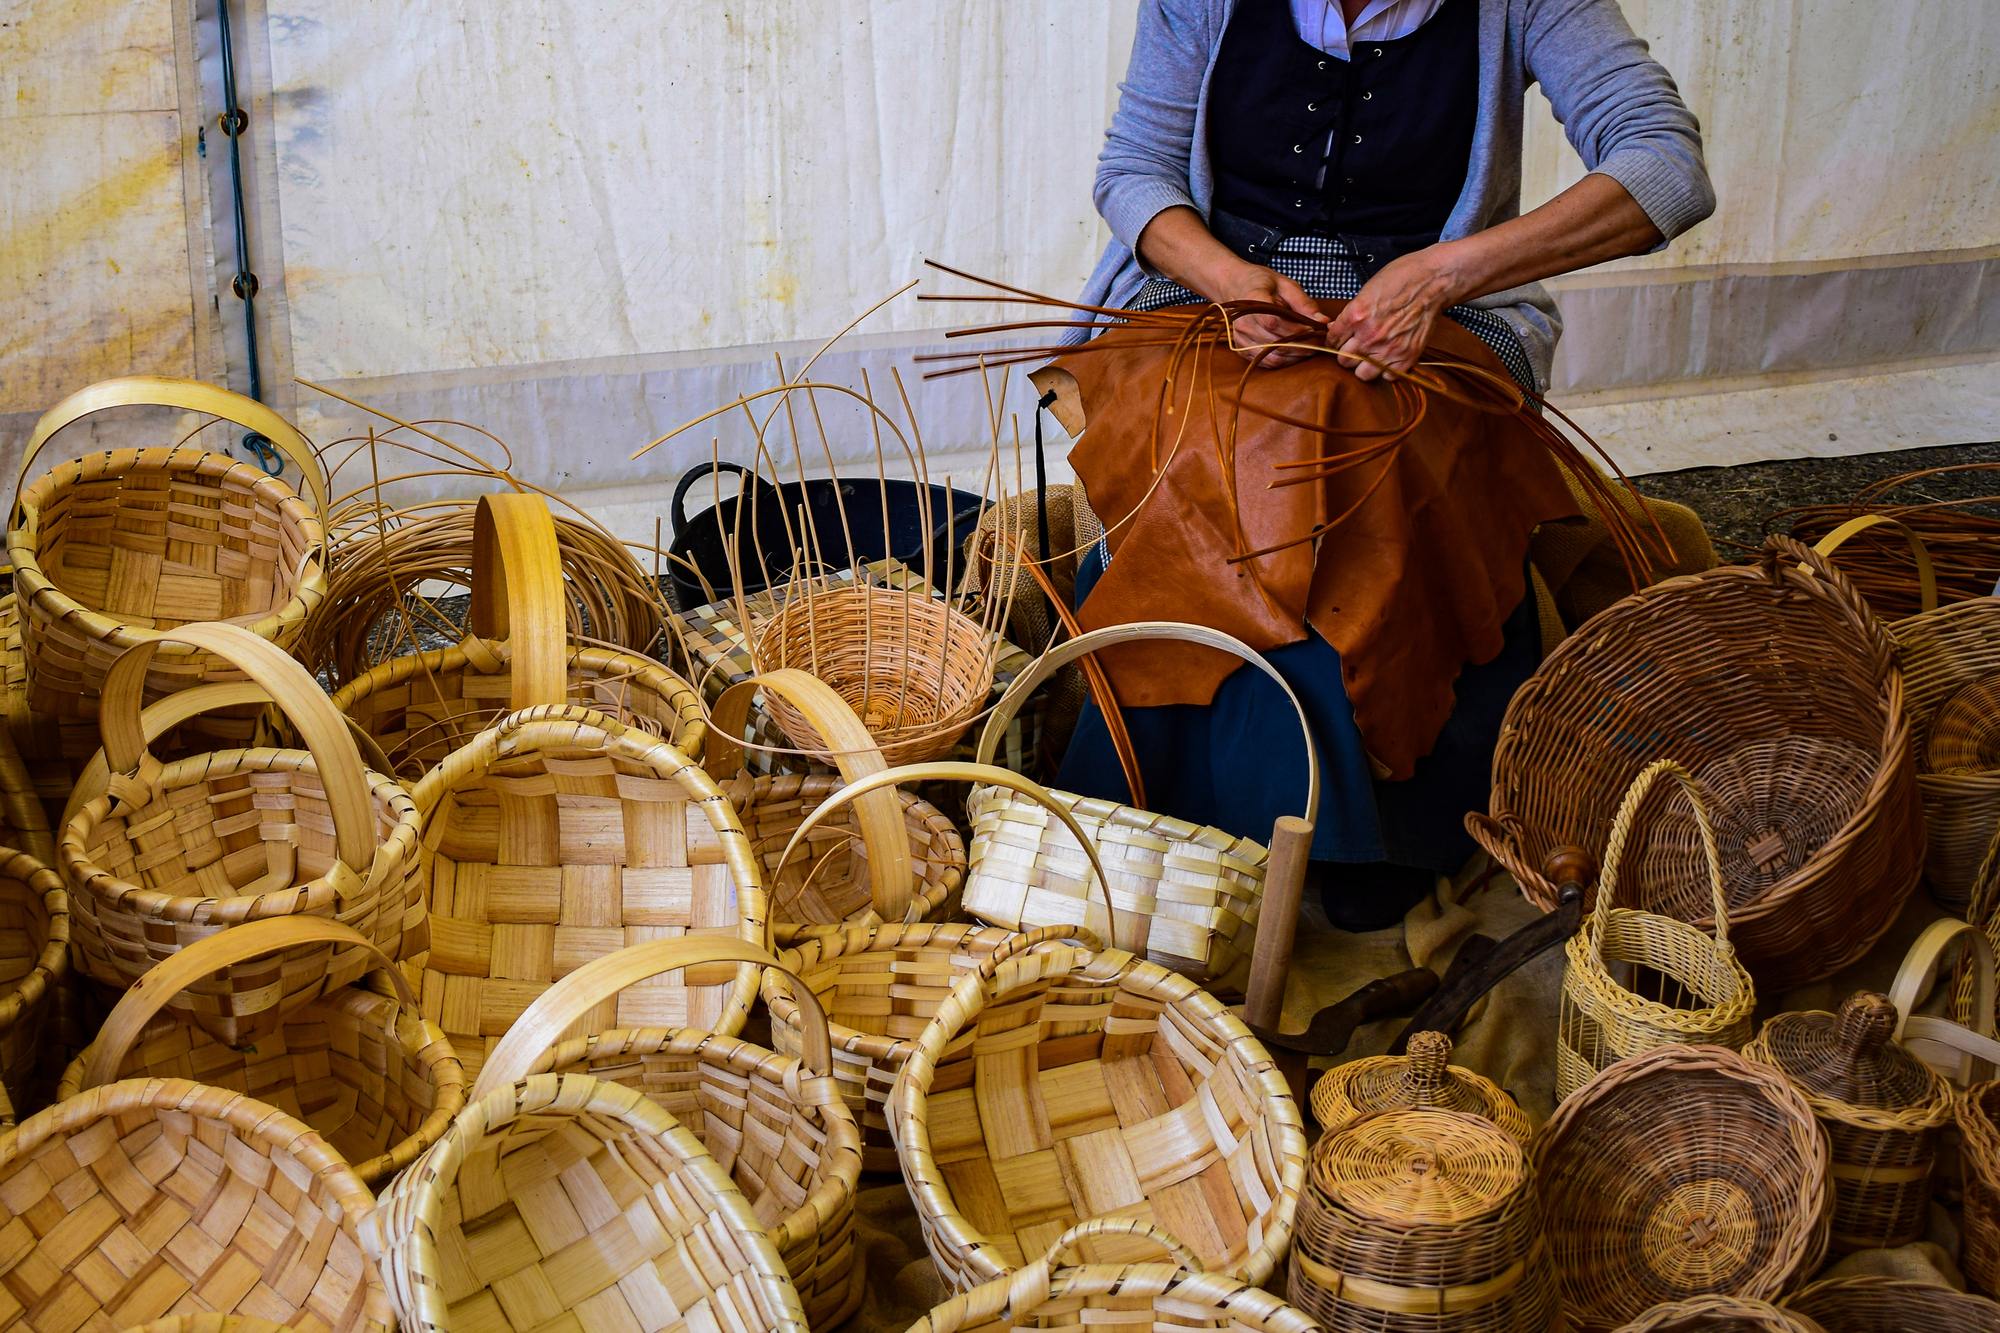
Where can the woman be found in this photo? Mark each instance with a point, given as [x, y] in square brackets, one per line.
[1295, 151]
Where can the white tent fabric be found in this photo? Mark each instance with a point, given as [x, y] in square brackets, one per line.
[580, 225]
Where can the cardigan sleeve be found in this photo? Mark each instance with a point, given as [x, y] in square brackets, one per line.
[1619, 107]
[1143, 169]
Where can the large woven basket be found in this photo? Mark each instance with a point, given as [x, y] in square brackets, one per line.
[117, 548]
[1422, 1219]
[1979, 1134]
[775, 1123]
[1063, 1085]
[557, 836]
[178, 852]
[1721, 1314]
[1182, 895]
[1951, 666]
[365, 1071]
[1893, 1305]
[1681, 1172]
[1683, 987]
[568, 1202]
[1052, 1294]
[1882, 1110]
[156, 1197]
[34, 965]
[1774, 676]
[516, 655]
[1425, 1078]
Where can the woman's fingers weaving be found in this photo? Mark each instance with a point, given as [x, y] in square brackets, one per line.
[1389, 321]
[1254, 332]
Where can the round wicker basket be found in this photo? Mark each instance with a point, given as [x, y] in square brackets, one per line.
[1882, 1110]
[1424, 1078]
[1979, 1223]
[34, 960]
[1720, 1314]
[1681, 1172]
[1892, 1305]
[566, 1196]
[1707, 669]
[1421, 1219]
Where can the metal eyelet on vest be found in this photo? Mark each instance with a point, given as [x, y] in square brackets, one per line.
[1300, 148]
[1368, 97]
[1357, 138]
[1312, 106]
[1378, 51]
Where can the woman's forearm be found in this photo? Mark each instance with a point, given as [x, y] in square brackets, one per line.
[1593, 221]
[1178, 245]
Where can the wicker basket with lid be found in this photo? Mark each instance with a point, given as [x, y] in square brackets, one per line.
[1424, 1078]
[1421, 1219]
[1882, 1109]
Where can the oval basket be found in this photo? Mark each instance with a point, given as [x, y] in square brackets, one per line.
[1182, 895]
[365, 1071]
[1702, 669]
[775, 1123]
[178, 852]
[34, 964]
[566, 1196]
[143, 1232]
[1892, 1305]
[1424, 1078]
[114, 549]
[1721, 1314]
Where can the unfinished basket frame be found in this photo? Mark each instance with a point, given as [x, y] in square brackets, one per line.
[1423, 1078]
[776, 1124]
[1182, 895]
[34, 962]
[173, 853]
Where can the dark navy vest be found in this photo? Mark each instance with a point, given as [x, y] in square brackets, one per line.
[1401, 115]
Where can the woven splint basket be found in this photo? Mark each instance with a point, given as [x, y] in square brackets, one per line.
[1770, 680]
[154, 1198]
[116, 548]
[34, 964]
[369, 1075]
[567, 1202]
[1182, 896]
[179, 851]
[776, 1123]
[1424, 1078]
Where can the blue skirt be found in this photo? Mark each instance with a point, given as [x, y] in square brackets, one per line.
[1239, 762]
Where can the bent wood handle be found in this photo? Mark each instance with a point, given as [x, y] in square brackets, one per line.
[536, 1032]
[235, 944]
[1926, 572]
[324, 730]
[1070, 649]
[190, 396]
[517, 593]
[891, 878]
[1916, 977]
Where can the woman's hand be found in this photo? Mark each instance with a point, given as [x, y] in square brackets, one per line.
[1390, 319]
[1254, 282]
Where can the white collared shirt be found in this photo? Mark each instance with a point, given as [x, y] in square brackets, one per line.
[1323, 24]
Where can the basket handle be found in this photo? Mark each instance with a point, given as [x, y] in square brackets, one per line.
[892, 880]
[1977, 1050]
[1926, 572]
[233, 944]
[517, 594]
[190, 396]
[1621, 828]
[1020, 941]
[1069, 650]
[535, 1033]
[1121, 1226]
[323, 729]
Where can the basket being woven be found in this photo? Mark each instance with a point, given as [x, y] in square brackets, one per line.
[1892, 1305]
[176, 852]
[566, 1202]
[1684, 987]
[775, 1123]
[364, 1071]
[1182, 896]
[160, 1197]
[1681, 1172]
[1882, 1110]
[1721, 1314]
[1049, 1294]
[117, 548]
[1701, 669]
[34, 964]
[1424, 1078]
[1417, 1219]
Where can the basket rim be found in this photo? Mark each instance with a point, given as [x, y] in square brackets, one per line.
[453, 657]
[1120, 816]
[784, 1008]
[52, 960]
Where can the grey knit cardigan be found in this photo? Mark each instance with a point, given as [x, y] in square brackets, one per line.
[1620, 108]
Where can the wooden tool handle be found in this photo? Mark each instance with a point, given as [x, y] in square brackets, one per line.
[1570, 867]
[323, 729]
[240, 943]
[517, 593]
[535, 1032]
[191, 396]
[1070, 649]
[1277, 921]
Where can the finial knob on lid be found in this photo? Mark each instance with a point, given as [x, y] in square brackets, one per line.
[1430, 1054]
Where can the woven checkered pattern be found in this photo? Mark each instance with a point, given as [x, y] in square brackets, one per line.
[38, 738]
[157, 1197]
[34, 964]
[1324, 266]
[1073, 1085]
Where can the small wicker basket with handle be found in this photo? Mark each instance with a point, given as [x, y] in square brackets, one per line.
[365, 1071]
[1721, 1314]
[1699, 991]
[1182, 896]
[172, 853]
[775, 1123]
[34, 965]
[1424, 1078]
[1893, 1305]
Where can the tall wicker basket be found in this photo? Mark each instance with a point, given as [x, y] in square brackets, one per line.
[775, 1123]
[34, 965]
[180, 851]
[117, 548]
[1424, 1078]
[1778, 689]
[1979, 1134]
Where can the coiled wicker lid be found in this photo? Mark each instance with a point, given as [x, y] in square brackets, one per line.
[1847, 1065]
[1411, 1166]
[1423, 1078]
